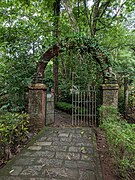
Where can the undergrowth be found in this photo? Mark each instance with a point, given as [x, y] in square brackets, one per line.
[64, 106]
[13, 133]
[121, 139]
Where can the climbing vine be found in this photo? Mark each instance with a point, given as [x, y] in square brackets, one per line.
[83, 45]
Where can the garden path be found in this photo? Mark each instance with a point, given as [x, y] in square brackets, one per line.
[65, 153]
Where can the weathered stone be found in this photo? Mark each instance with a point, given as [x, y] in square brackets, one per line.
[50, 162]
[37, 179]
[64, 160]
[74, 135]
[27, 153]
[25, 161]
[74, 149]
[110, 95]
[55, 148]
[65, 139]
[37, 105]
[15, 171]
[42, 139]
[32, 171]
[63, 134]
[69, 156]
[86, 157]
[43, 143]
[62, 143]
[87, 175]
[49, 154]
[52, 138]
[80, 140]
[80, 164]
[34, 148]
[83, 144]
[64, 173]
[10, 178]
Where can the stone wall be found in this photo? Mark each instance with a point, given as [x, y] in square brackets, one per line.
[38, 100]
[110, 95]
[37, 105]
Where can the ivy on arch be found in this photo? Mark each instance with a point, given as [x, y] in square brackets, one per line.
[84, 44]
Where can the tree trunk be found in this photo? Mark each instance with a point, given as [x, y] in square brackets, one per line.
[125, 96]
[56, 33]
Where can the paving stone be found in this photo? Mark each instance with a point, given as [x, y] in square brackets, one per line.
[59, 154]
[49, 154]
[86, 157]
[50, 162]
[32, 171]
[80, 131]
[43, 139]
[25, 161]
[43, 143]
[34, 148]
[42, 179]
[53, 139]
[79, 164]
[10, 178]
[68, 130]
[87, 175]
[74, 135]
[27, 153]
[74, 149]
[63, 134]
[37, 179]
[65, 139]
[89, 150]
[15, 170]
[69, 156]
[64, 173]
[54, 135]
[83, 144]
[62, 143]
[55, 148]
[81, 140]
[87, 134]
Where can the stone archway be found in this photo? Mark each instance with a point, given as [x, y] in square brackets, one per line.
[85, 45]
[37, 91]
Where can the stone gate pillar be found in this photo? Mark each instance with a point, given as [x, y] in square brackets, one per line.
[110, 95]
[37, 105]
[109, 98]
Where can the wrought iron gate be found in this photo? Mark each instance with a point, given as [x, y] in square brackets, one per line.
[84, 107]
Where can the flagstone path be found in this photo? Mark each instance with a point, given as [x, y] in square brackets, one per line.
[57, 154]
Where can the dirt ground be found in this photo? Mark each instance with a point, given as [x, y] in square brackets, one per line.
[108, 168]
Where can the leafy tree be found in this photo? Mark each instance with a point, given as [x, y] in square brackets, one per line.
[28, 28]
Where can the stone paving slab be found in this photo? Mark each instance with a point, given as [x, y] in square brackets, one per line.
[58, 154]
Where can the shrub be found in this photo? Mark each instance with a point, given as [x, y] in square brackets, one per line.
[121, 139]
[67, 107]
[13, 132]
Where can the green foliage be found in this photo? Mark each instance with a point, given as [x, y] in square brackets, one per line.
[13, 131]
[64, 106]
[27, 29]
[121, 101]
[64, 87]
[120, 136]
[67, 107]
[78, 67]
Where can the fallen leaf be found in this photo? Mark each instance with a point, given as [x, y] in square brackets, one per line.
[11, 171]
